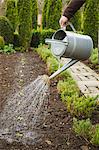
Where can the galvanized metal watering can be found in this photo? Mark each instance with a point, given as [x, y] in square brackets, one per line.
[71, 45]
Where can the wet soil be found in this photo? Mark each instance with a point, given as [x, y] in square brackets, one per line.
[57, 128]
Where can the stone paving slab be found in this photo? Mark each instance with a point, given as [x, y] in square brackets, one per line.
[86, 78]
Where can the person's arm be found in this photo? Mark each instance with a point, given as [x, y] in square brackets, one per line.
[70, 10]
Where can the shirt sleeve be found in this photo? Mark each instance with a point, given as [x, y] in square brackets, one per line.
[72, 8]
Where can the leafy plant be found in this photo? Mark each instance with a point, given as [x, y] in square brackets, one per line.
[95, 136]
[8, 49]
[44, 52]
[67, 88]
[82, 127]
[94, 56]
[52, 64]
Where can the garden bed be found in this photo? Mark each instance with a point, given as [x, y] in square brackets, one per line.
[57, 128]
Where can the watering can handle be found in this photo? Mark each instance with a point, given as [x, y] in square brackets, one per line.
[71, 25]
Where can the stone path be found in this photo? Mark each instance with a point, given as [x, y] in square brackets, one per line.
[87, 79]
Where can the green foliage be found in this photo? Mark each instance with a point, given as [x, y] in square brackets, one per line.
[25, 26]
[40, 36]
[94, 56]
[91, 20]
[88, 131]
[12, 13]
[95, 135]
[46, 34]
[44, 52]
[67, 88]
[34, 14]
[35, 41]
[6, 30]
[7, 49]
[81, 106]
[52, 64]
[82, 127]
[44, 14]
[53, 14]
[77, 105]
[2, 43]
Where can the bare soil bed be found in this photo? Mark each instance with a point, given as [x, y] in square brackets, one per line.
[57, 128]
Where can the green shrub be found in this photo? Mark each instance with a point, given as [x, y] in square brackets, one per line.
[52, 64]
[44, 52]
[94, 56]
[2, 43]
[7, 49]
[88, 131]
[46, 34]
[82, 127]
[91, 20]
[34, 14]
[19, 5]
[25, 26]
[12, 13]
[95, 135]
[44, 14]
[35, 41]
[53, 14]
[40, 36]
[81, 106]
[67, 88]
[6, 30]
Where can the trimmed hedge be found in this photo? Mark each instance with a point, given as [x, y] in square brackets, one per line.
[91, 20]
[44, 14]
[40, 36]
[25, 26]
[2, 43]
[34, 14]
[6, 30]
[12, 13]
[53, 14]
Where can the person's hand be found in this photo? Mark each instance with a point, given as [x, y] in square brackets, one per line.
[63, 21]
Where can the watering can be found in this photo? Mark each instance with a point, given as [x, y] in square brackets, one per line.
[70, 45]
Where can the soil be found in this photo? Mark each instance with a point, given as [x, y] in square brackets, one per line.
[57, 128]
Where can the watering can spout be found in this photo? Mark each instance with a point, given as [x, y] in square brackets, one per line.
[65, 66]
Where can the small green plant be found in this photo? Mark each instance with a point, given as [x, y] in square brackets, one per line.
[2, 43]
[67, 88]
[52, 64]
[94, 56]
[82, 127]
[81, 106]
[95, 136]
[88, 131]
[8, 49]
[44, 52]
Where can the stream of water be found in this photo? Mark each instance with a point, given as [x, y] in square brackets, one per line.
[25, 112]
